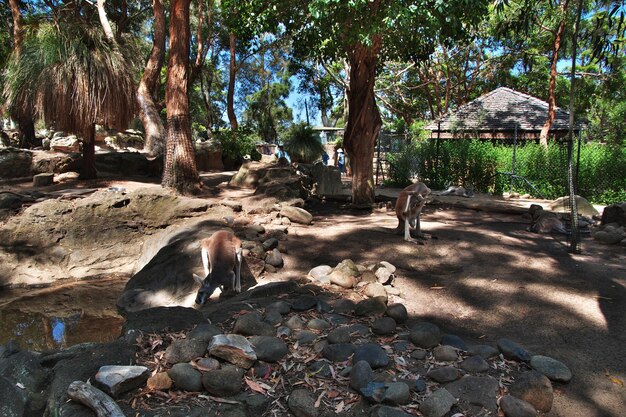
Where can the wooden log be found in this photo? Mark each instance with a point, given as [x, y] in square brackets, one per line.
[98, 401]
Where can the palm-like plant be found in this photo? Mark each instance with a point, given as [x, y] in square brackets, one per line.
[74, 78]
[303, 144]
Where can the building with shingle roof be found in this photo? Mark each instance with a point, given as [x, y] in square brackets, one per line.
[497, 114]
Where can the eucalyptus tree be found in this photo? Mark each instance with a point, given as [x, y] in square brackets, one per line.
[368, 33]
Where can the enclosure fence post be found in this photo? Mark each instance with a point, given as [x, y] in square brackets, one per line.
[513, 158]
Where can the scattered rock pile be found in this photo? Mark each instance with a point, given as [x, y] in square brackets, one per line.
[612, 229]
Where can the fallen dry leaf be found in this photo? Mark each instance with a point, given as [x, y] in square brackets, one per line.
[255, 386]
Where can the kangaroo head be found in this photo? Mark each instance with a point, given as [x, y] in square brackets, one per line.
[211, 283]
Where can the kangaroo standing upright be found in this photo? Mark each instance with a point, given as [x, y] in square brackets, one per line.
[408, 208]
[221, 258]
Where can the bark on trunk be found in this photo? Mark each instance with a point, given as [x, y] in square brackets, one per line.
[153, 125]
[104, 21]
[18, 26]
[180, 171]
[230, 99]
[88, 170]
[364, 120]
[543, 136]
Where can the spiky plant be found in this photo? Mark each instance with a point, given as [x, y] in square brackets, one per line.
[72, 77]
[302, 143]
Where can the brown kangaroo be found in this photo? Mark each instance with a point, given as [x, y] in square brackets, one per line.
[408, 208]
[221, 258]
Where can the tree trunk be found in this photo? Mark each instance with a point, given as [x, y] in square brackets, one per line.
[180, 171]
[543, 136]
[364, 120]
[88, 170]
[18, 26]
[152, 124]
[230, 99]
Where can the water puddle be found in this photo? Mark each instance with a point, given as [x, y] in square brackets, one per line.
[36, 331]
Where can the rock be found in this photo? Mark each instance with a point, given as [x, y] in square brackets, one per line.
[372, 354]
[561, 205]
[359, 329]
[371, 306]
[383, 275]
[31, 371]
[514, 407]
[391, 268]
[185, 377]
[553, 369]
[281, 307]
[224, 382]
[445, 353]
[42, 180]
[425, 335]
[320, 369]
[302, 403]
[343, 306]
[305, 337]
[419, 354]
[204, 332]
[341, 279]
[233, 348]
[484, 351]
[14, 400]
[397, 312]
[397, 393]
[69, 144]
[437, 404]
[275, 258]
[454, 341]
[387, 411]
[444, 374]
[375, 289]
[339, 352]
[475, 393]
[273, 317]
[339, 335]
[296, 215]
[327, 179]
[475, 364]
[251, 325]
[10, 201]
[336, 319]
[384, 326]
[304, 303]
[320, 271]
[295, 323]
[159, 382]
[185, 350]
[361, 375]
[271, 243]
[348, 267]
[115, 380]
[512, 350]
[318, 324]
[206, 364]
[323, 307]
[401, 346]
[609, 235]
[615, 213]
[534, 388]
[420, 385]
[283, 331]
[268, 348]
[368, 276]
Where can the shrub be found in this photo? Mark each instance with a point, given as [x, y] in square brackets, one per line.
[303, 144]
[237, 144]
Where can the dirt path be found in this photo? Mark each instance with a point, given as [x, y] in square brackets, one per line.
[481, 276]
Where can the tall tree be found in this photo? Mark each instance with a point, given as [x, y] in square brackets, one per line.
[180, 171]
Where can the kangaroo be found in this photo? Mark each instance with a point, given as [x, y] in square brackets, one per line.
[408, 208]
[221, 258]
[460, 191]
[544, 221]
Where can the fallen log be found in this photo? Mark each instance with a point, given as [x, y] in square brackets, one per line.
[92, 397]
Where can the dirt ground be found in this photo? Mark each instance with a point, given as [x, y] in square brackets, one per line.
[480, 275]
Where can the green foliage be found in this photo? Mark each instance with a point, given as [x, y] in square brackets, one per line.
[237, 144]
[404, 165]
[303, 144]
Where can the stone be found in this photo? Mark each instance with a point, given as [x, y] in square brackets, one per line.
[361, 375]
[271, 243]
[296, 214]
[397, 312]
[371, 306]
[445, 353]
[343, 306]
[304, 303]
[269, 348]
[387, 411]
[375, 289]
[14, 401]
[305, 337]
[68, 144]
[372, 354]
[10, 201]
[323, 307]
[374, 391]
[233, 348]
[437, 404]
[368, 276]
[342, 279]
[534, 388]
[475, 364]
[514, 407]
[339, 335]
[484, 351]
[159, 382]
[115, 379]
[338, 352]
[397, 393]
[419, 354]
[185, 350]
[251, 325]
[425, 335]
[383, 275]
[384, 326]
[274, 258]
[302, 403]
[454, 341]
[206, 364]
[281, 307]
[42, 180]
[185, 377]
[348, 267]
[224, 382]
[318, 324]
[553, 369]
[283, 331]
[359, 329]
[476, 393]
[295, 323]
[320, 369]
[512, 350]
[273, 317]
[336, 319]
[320, 271]
[420, 385]
[444, 374]
[204, 332]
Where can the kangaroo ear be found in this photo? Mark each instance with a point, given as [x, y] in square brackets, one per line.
[198, 279]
